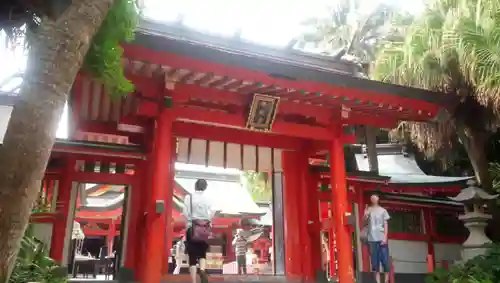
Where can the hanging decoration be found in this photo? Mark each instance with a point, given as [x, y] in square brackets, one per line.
[262, 112]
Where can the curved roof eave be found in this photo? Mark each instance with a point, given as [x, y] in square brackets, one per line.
[285, 63]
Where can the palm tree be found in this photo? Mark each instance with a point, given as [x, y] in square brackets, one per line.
[350, 35]
[60, 34]
[258, 185]
[451, 48]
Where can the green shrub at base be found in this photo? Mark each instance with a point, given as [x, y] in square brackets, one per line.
[33, 263]
[481, 269]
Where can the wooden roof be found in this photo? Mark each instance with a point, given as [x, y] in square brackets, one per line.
[396, 168]
[187, 57]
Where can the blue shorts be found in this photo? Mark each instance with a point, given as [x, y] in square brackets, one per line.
[379, 255]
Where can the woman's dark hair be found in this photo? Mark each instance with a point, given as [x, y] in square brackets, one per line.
[200, 185]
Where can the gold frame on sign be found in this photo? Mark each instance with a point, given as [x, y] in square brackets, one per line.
[267, 125]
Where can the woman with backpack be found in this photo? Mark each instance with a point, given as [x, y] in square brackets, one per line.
[199, 214]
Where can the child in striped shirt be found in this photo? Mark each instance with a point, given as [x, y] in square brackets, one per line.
[240, 247]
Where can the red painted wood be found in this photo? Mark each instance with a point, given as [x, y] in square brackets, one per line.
[445, 264]
[142, 227]
[148, 108]
[213, 133]
[62, 212]
[303, 186]
[430, 230]
[86, 153]
[168, 200]
[314, 227]
[111, 128]
[365, 254]
[106, 214]
[100, 233]
[102, 178]
[136, 52]
[291, 215]
[184, 93]
[110, 238]
[230, 253]
[239, 121]
[134, 211]
[323, 115]
[341, 208]
[151, 88]
[99, 220]
[42, 218]
[332, 243]
[161, 184]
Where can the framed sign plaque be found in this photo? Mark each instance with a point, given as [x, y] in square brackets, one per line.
[262, 112]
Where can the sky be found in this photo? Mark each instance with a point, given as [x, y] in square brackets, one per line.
[267, 22]
[270, 22]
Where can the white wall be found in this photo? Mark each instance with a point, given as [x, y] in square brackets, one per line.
[5, 112]
[43, 232]
[69, 223]
[448, 252]
[408, 256]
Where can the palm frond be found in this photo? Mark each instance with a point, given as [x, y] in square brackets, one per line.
[347, 31]
[451, 48]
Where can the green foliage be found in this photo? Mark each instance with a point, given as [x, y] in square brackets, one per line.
[257, 183]
[33, 263]
[103, 60]
[452, 48]
[495, 175]
[494, 169]
[481, 269]
[347, 31]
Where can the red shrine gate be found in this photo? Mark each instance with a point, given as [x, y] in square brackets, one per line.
[191, 85]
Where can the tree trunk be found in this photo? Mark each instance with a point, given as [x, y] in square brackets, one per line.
[56, 56]
[371, 148]
[475, 143]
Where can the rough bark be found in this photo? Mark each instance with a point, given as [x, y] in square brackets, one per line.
[371, 148]
[55, 57]
[475, 143]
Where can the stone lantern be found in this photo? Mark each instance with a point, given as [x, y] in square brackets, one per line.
[475, 219]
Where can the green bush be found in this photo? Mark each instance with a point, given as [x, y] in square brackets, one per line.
[481, 269]
[33, 263]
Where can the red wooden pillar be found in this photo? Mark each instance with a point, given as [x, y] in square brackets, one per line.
[62, 211]
[291, 216]
[307, 272]
[314, 224]
[332, 244]
[431, 235]
[158, 213]
[341, 208]
[169, 199]
[133, 229]
[365, 257]
[49, 190]
[306, 205]
[142, 227]
[230, 253]
[111, 236]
